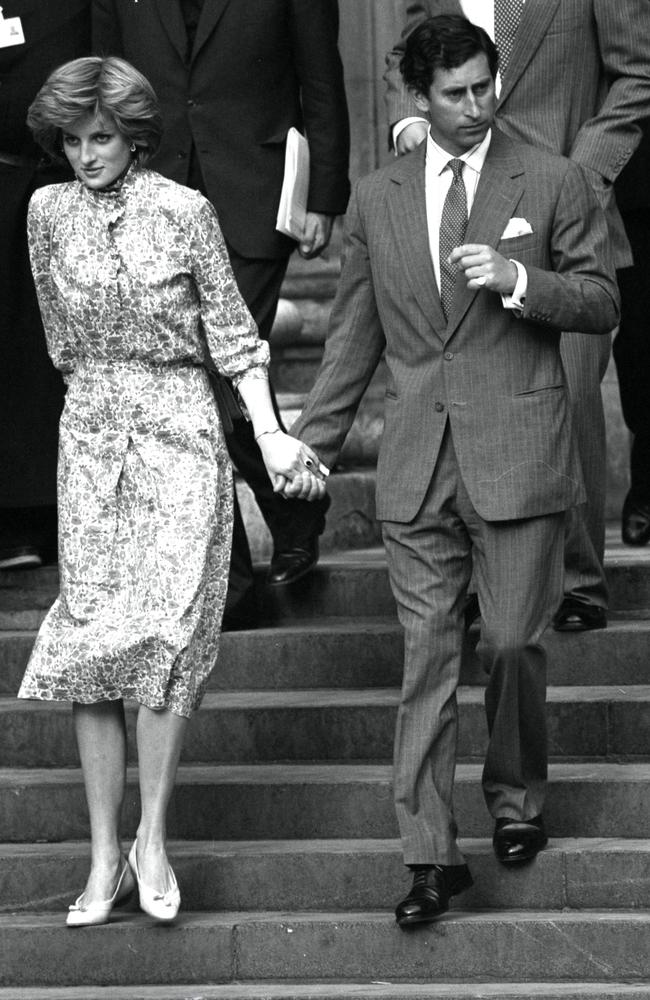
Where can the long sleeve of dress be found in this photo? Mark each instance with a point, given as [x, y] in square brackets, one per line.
[231, 334]
[41, 237]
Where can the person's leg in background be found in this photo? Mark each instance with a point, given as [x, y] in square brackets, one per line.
[31, 392]
[584, 605]
[632, 356]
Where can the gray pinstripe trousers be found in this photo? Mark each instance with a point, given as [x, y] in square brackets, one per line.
[517, 567]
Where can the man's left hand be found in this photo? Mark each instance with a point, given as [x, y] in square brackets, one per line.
[316, 236]
[485, 268]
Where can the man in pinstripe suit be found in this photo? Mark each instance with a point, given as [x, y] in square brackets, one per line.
[577, 82]
[477, 465]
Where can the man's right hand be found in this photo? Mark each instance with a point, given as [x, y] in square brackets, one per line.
[411, 137]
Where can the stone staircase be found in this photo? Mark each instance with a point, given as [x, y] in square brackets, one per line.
[283, 835]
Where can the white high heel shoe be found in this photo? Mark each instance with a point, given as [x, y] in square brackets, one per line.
[80, 915]
[163, 906]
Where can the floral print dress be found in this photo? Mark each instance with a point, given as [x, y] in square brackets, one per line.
[135, 288]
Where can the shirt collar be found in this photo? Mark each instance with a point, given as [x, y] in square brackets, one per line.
[438, 158]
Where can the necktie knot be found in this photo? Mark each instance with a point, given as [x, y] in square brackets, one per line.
[456, 167]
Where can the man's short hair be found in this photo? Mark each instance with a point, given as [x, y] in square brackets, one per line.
[443, 42]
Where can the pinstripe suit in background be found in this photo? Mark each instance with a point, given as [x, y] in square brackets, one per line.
[477, 458]
[578, 84]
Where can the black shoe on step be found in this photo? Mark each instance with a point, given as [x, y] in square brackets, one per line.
[433, 887]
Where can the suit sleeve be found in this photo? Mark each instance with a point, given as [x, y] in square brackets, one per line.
[106, 40]
[606, 142]
[353, 348]
[314, 27]
[399, 103]
[580, 292]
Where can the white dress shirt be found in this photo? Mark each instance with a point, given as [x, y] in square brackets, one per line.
[437, 181]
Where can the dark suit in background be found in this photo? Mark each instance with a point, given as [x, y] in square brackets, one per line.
[31, 390]
[578, 84]
[232, 78]
[632, 343]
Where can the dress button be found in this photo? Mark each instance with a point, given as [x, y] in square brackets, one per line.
[439, 407]
[449, 356]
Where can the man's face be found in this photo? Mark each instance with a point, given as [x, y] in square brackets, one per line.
[461, 104]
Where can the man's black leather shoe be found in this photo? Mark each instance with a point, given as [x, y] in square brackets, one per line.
[516, 841]
[292, 564]
[576, 616]
[635, 521]
[433, 887]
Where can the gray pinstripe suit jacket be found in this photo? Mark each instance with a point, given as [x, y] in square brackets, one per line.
[578, 84]
[497, 377]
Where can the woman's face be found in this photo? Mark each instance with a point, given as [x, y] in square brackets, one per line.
[97, 152]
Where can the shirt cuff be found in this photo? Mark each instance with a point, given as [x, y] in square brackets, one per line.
[399, 127]
[516, 300]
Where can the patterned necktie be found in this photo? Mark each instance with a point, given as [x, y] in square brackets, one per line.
[453, 223]
[507, 14]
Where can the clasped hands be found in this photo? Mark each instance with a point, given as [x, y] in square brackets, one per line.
[293, 467]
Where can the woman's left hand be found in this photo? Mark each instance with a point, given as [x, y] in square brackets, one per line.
[294, 469]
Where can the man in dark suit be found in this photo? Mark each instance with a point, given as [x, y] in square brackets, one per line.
[463, 261]
[31, 391]
[232, 78]
[574, 80]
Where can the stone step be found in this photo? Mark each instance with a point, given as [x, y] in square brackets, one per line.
[285, 875]
[352, 583]
[515, 946]
[301, 801]
[363, 652]
[341, 991]
[337, 725]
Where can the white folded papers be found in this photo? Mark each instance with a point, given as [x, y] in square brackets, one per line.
[295, 186]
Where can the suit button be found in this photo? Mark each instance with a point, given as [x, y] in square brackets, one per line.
[439, 407]
[449, 356]
[190, 103]
[182, 155]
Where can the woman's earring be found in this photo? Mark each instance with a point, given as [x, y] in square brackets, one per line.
[133, 147]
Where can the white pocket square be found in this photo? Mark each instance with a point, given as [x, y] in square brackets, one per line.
[516, 227]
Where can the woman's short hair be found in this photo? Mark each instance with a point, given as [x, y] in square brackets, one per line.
[443, 42]
[97, 85]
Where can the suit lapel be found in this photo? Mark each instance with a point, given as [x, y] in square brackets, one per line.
[172, 19]
[499, 190]
[210, 15]
[535, 19]
[408, 214]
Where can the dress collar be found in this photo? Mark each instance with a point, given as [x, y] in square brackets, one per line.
[118, 190]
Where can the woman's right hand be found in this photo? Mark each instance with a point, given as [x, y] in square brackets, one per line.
[294, 469]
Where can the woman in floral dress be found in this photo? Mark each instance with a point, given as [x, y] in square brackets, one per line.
[137, 295]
